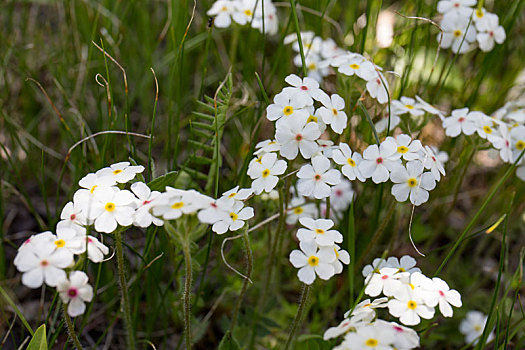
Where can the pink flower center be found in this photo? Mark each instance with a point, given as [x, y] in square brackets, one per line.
[379, 160]
[146, 202]
[461, 119]
[298, 137]
[491, 33]
[72, 292]
[213, 205]
[433, 158]
[72, 217]
[27, 241]
[338, 193]
[89, 240]
[44, 263]
[441, 293]
[399, 329]
[507, 143]
[384, 277]
[317, 177]
[456, 4]
[304, 88]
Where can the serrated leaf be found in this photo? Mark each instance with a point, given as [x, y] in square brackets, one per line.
[228, 342]
[39, 340]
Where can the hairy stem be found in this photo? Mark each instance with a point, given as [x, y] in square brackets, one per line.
[187, 293]
[249, 268]
[124, 298]
[298, 316]
[71, 328]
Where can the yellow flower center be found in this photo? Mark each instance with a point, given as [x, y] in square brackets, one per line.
[116, 172]
[412, 305]
[224, 8]
[487, 129]
[60, 243]
[412, 286]
[266, 173]
[412, 182]
[334, 111]
[177, 205]
[298, 210]
[312, 118]
[402, 269]
[232, 195]
[402, 149]
[371, 342]
[259, 160]
[234, 216]
[409, 106]
[457, 33]
[354, 66]
[367, 305]
[288, 110]
[336, 253]
[92, 189]
[248, 12]
[319, 231]
[520, 145]
[109, 206]
[478, 328]
[312, 66]
[350, 162]
[479, 14]
[313, 260]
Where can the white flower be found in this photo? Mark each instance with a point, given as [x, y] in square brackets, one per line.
[355, 64]
[333, 112]
[517, 139]
[432, 162]
[342, 328]
[342, 195]
[379, 161]
[142, 217]
[319, 231]
[173, 203]
[427, 107]
[386, 280]
[381, 125]
[235, 218]
[407, 148]
[460, 7]
[95, 249]
[111, 206]
[405, 338]
[121, 172]
[43, 264]
[69, 239]
[457, 33]
[472, 327]
[74, 292]
[285, 106]
[350, 162]
[238, 194]
[295, 135]
[264, 174]
[376, 265]
[341, 257]
[216, 210]
[365, 309]
[244, 11]
[326, 148]
[305, 89]
[72, 218]
[412, 181]
[378, 88]
[222, 10]
[266, 146]
[407, 105]
[436, 291]
[409, 307]
[459, 122]
[375, 336]
[92, 180]
[405, 264]
[490, 32]
[311, 261]
[486, 127]
[315, 179]
[299, 209]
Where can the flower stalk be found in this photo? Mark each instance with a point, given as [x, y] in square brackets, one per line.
[249, 269]
[71, 328]
[298, 316]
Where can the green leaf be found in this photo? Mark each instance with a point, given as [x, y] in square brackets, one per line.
[160, 183]
[228, 342]
[39, 340]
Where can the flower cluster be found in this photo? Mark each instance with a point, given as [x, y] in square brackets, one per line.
[505, 131]
[408, 295]
[259, 14]
[322, 57]
[104, 205]
[319, 254]
[464, 26]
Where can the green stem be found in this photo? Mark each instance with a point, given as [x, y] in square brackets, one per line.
[298, 316]
[299, 40]
[249, 268]
[124, 298]
[71, 328]
[187, 293]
